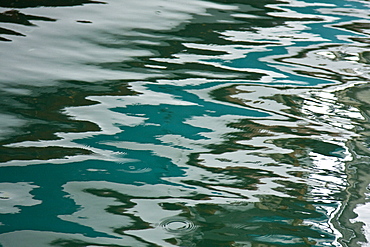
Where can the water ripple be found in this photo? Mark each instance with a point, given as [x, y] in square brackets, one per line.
[178, 225]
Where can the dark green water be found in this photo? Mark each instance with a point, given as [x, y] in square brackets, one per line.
[172, 123]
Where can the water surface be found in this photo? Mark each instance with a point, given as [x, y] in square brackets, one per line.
[159, 123]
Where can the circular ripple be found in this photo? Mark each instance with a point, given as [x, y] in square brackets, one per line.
[133, 169]
[178, 225]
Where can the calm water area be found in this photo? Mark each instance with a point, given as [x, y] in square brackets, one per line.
[198, 123]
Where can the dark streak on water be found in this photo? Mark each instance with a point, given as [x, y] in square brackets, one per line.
[164, 123]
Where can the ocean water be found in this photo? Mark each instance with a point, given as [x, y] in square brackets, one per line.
[169, 123]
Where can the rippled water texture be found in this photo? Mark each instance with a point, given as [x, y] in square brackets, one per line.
[172, 123]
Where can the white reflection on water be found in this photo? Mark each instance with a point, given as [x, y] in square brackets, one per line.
[363, 217]
[146, 207]
[9, 125]
[46, 238]
[108, 121]
[77, 47]
[15, 195]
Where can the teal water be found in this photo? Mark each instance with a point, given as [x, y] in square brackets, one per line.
[197, 123]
